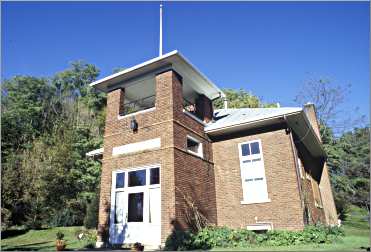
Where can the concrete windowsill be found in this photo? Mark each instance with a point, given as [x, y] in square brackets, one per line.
[136, 113]
[255, 202]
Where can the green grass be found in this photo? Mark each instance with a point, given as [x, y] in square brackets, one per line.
[357, 237]
[43, 240]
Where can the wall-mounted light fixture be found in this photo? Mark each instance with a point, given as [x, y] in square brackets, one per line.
[133, 124]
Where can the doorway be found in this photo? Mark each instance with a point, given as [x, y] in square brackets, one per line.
[136, 206]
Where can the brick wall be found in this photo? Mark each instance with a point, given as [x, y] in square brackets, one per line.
[169, 123]
[324, 184]
[285, 209]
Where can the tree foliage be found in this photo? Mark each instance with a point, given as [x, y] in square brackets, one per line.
[241, 99]
[347, 146]
[47, 126]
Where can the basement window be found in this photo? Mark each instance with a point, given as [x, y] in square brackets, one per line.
[194, 146]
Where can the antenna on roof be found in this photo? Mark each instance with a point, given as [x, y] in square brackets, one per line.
[160, 46]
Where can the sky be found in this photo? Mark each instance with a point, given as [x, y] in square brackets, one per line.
[268, 48]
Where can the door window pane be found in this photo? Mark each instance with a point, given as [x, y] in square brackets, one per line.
[255, 148]
[135, 207]
[154, 176]
[119, 207]
[120, 180]
[245, 149]
[137, 178]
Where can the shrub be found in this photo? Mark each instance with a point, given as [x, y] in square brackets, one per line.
[92, 209]
[179, 240]
[210, 237]
[59, 235]
[224, 237]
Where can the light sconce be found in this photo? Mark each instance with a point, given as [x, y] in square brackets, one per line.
[133, 124]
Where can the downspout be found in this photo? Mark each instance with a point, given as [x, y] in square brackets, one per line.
[293, 148]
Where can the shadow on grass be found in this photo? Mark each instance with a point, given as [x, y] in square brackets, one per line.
[29, 246]
[12, 232]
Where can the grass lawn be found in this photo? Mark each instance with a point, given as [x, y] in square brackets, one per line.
[43, 240]
[356, 228]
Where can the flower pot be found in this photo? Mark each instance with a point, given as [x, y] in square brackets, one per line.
[60, 245]
[137, 247]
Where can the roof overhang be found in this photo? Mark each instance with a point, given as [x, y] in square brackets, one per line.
[297, 121]
[172, 60]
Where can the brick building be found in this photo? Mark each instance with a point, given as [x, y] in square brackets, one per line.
[164, 146]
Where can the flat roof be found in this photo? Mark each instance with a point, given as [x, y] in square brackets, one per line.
[175, 60]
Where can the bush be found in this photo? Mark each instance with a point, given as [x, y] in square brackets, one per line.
[224, 237]
[179, 240]
[59, 235]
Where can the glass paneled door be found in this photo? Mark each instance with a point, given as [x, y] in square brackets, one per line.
[136, 206]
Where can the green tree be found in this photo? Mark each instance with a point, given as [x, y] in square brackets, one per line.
[241, 99]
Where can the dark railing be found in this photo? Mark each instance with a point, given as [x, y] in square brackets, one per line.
[138, 105]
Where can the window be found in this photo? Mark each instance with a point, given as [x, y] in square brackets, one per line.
[135, 207]
[154, 176]
[254, 185]
[316, 193]
[194, 146]
[137, 178]
[120, 180]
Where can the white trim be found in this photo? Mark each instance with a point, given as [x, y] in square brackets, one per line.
[136, 147]
[194, 117]
[243, 202]
[200, 152]
[95, 152]
[136, 113]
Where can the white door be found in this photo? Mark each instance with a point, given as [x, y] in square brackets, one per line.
[136, 209]
[252, 172]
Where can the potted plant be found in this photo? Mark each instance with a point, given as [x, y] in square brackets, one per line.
[60, 244]
[137, 247]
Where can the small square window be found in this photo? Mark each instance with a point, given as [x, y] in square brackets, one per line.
[245, 149]
[120, 180]
[255, 148]
[154, 176]
[194, 146]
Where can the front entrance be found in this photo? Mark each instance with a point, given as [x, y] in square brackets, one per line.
[136, 206]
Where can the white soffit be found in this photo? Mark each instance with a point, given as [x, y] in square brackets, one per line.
[191, 75]
[136, 147]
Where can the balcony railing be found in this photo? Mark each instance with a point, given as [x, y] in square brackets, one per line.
[138, 105]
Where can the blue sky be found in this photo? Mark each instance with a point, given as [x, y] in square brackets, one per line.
[267, 48]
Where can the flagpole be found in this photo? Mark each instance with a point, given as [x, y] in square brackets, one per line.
[160, 46]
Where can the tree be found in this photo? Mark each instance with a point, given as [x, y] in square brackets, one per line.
[48, 125]
[241, 99]
[328, 99]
